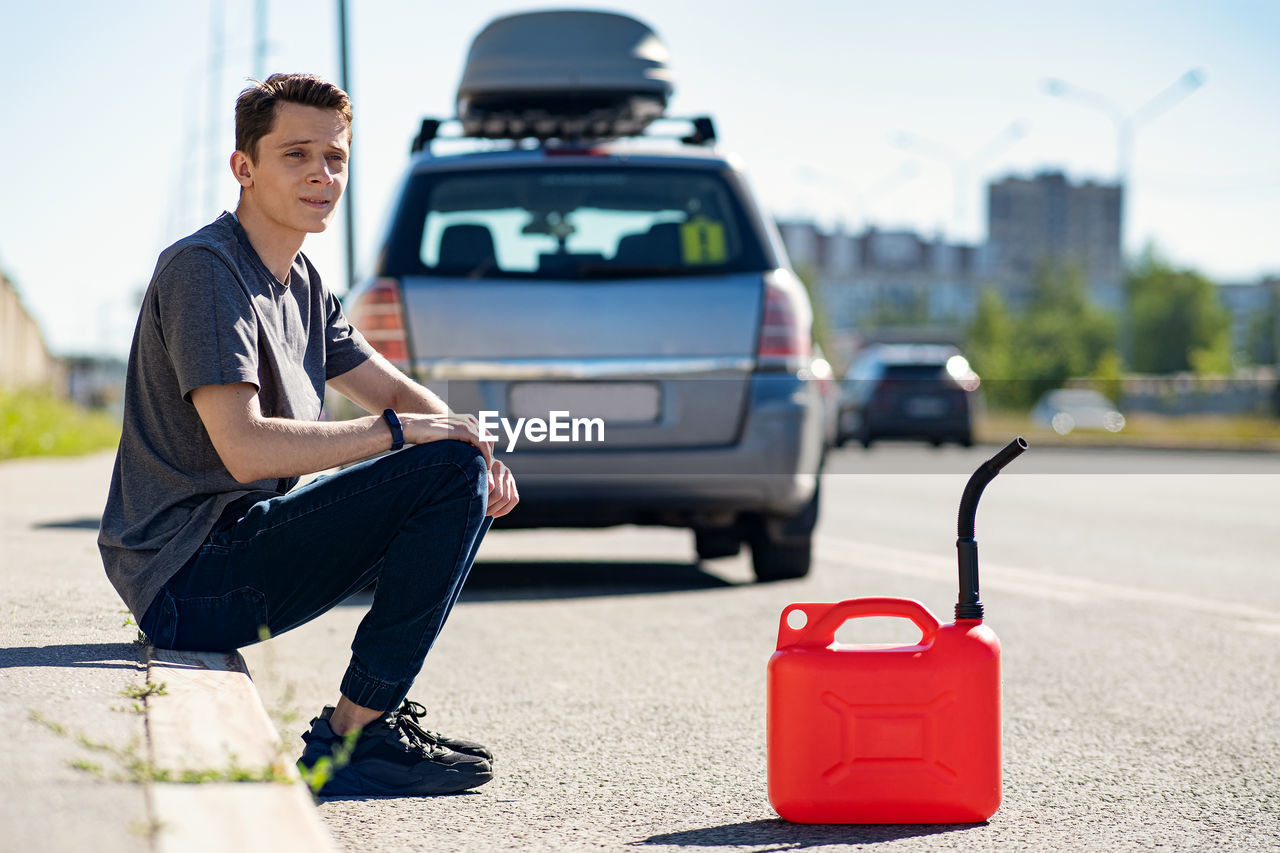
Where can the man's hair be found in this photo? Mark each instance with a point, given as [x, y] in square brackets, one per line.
[256, 106]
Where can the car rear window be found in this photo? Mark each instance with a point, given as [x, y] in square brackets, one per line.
[572, 223]
[916, 371]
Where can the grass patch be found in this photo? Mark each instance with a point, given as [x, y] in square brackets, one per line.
[1207, 432]
[37, 424]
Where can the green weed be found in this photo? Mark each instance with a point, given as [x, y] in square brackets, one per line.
[130, 765]
[135, 691]
[91, 767]
[322, 771]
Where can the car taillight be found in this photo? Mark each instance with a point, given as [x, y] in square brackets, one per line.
[378, 315]
[784, 330]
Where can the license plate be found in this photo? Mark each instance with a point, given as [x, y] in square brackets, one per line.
[613, 402]
[926, 407]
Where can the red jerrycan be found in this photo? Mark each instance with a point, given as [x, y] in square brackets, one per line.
[890, 733]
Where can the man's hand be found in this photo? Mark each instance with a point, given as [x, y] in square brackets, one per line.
[422, 429]
[375, 385]
[503, 495]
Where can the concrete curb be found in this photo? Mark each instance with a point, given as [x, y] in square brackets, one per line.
[209, 717]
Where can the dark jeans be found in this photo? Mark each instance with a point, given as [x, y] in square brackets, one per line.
[413, 520]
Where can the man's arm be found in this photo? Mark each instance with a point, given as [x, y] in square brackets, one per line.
[254, 447]
[375, 384]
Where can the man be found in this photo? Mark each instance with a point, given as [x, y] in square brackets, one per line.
[204, 535]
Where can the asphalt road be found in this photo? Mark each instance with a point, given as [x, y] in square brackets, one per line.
[622, 685]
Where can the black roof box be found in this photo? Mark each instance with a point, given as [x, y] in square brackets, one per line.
[565, 73]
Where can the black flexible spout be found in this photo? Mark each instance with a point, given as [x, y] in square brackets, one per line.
[968, 606]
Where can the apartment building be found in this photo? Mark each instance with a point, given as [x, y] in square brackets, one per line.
[1049, 218]
[886, 277]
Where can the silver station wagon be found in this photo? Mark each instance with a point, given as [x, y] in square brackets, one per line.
[610, 302]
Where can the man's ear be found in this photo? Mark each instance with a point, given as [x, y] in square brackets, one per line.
[242, 169]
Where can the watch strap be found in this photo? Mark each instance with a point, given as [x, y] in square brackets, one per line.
[397, 431]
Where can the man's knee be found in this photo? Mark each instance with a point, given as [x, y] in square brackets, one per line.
[463, 464]
[459, 453]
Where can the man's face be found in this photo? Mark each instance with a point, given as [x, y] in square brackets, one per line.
[300, 170]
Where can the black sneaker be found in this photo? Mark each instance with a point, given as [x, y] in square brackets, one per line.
[414, 712]
[387, 759]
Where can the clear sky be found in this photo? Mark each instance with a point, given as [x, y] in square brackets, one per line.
[118, 125]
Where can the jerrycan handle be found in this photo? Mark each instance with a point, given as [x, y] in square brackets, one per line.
[823, 620]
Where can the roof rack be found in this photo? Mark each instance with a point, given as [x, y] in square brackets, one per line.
[571, 129]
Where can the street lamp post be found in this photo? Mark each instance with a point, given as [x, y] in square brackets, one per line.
[260, 39]
[1128, 123]
[961, 166]
[349, 203]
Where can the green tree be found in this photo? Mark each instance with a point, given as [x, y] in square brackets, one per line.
[1107, 375]
[1261, 346]
[912, 310]
[1179, 323]
[1061, 335]
[989, 347]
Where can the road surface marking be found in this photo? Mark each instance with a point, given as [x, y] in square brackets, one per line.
[1041, 584]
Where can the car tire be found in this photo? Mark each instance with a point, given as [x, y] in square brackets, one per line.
[714, 542]
[782, 547]
[773, 561]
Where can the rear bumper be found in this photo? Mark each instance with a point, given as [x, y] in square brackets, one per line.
[893, 426]
[772, 469]
[855, 423]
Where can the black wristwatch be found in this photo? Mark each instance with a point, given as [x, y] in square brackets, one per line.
[397, 432]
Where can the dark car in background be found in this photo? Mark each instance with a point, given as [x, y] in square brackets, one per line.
[552, 258]
[907, 391]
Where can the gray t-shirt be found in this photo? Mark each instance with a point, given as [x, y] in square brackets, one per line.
[212, 315]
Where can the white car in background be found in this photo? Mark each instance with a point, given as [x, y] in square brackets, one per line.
[1069, 409]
